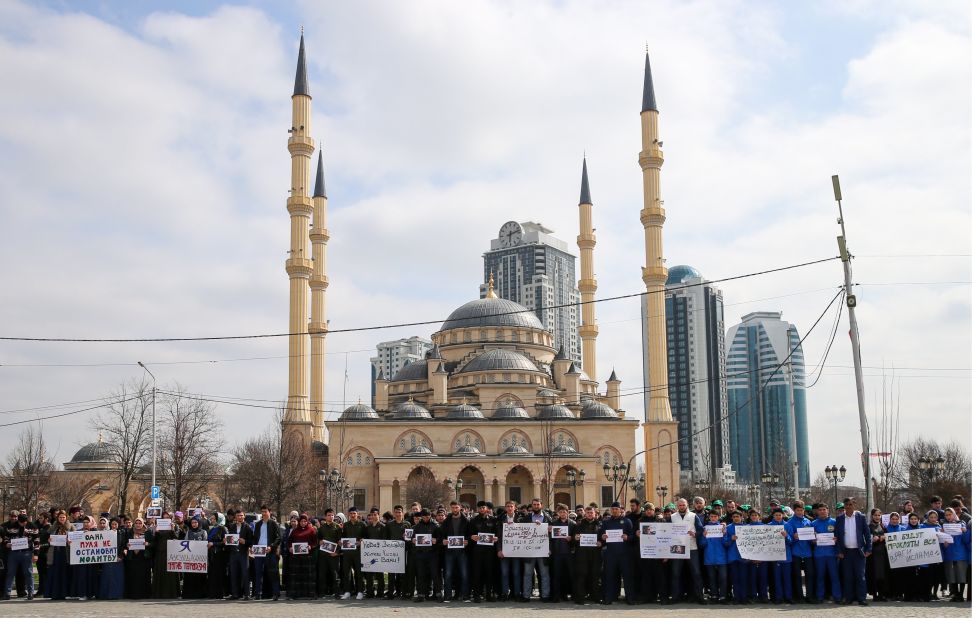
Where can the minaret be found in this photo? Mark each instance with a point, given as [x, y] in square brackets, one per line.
[587, 284]
[318, 286]
[297, 416]
[661, 467]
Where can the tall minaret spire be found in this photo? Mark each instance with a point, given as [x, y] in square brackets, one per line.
[661, 467]
[587, 284]
[300, 267]
[318, 286]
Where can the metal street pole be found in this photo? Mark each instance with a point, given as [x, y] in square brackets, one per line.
[845, 257]
[154, 439]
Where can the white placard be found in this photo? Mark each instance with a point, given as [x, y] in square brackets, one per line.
[486, 538]
[615, 535]
[761, 543]
[588, 540]
[163, 524]
[886, 520]
[714, 531]
[329, 547]
[259, 551]
[23, 542]
[826, 539]
[664, 540]
[300, 549]
[95, 547]
[455, 542]
[153, 512]
[187, 557]
[408, 534]
[349, 543]
[58, 540]
[423, 540]
[136, 544]
[75, 535]
[558, 532]
[952, 529]
[526, 540]
[942, 538]
[806, 533]
[379, 556]
[78, 526]
[231, 539]
[910, 548]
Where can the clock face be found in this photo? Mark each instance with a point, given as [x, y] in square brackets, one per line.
[510, 234]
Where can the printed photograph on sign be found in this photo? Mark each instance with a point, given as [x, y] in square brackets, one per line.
[329, 547]
[153, 512]
[300, 548]
[231, 539]
[558, 532]
[408, 534]
[259, 550]
[455, 542]
[349, 543]
[423, 540]
[485, 538]
[78, 526]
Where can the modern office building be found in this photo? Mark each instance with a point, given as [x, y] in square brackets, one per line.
[696, 374]
[533, 268]
[767, 408]
[393, 355]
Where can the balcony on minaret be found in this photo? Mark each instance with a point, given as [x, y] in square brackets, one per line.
[656, 275]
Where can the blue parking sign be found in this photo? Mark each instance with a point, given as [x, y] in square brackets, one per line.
[155, 492]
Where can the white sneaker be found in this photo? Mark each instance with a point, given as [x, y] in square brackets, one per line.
[360, 596]
[345, 596]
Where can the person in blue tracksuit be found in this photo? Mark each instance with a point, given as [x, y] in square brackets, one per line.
[738, 569]
[782, 584]
[758, 571]
[854, 545]
[825, 556]
[615, 562]
[955, 555]
[716, 558]
[899, 579]
[802, 554]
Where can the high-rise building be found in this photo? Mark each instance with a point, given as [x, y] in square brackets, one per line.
[533, 268]
[394, 355]
[696, 373]
[767, 424]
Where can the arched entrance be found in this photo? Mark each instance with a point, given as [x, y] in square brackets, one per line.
[519, 485]
[473, 486]
[420, 486]
[564, 493]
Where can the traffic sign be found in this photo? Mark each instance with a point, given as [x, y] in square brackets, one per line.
[155, 492]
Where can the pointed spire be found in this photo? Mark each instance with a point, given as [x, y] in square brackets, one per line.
[490, 292]
[300, 82]
[614, 377]
[648, 97]
[319, 189]
[573, 369]
[585, 196]
[381, 375]
[560, 354]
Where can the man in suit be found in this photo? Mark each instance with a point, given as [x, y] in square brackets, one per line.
[266, 532]
[239, 567]
[853, 537]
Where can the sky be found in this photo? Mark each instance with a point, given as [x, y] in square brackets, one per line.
[144, 173]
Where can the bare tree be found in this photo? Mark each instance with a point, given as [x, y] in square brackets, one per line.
[190, 440]
[423, 488]
[126, 427]
[66, 489]
[954, 477]
[28, 468]
[886, 488]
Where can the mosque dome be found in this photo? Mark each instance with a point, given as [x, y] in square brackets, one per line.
[415, 370]
[410, 410]
[463, 412]
[564, 450]
[499, 360]
[516, 449]
[359, 412]
[554, 412]
[508, 411]
[678, 274]
[468, 449]
[596, 409]
[96, 452]
[492, 312]
[419, 450]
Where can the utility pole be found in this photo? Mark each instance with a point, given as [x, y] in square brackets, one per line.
[793, 427]
[154, 439]
[845, 257]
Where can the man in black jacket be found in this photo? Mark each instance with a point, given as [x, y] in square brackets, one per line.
[562, 532]
[536, 515]
[482, 532]
[398, 529]
[456, 526]
[374, 582]
[266, 533]
[587, 558]
[427, 538]
[239, 567]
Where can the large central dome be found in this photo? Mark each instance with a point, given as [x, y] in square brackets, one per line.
[492, 312]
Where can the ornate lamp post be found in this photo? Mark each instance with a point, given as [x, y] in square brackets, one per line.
[753, 490]
[455, 485]
[662, 492]
[638, 485]
[770, 479]
[835, 476]
[615, 473]
[573, 478]
[704, 487]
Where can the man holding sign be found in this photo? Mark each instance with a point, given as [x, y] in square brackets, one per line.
[615, 531]
[237, 541]
[267, 536]
[20, 546]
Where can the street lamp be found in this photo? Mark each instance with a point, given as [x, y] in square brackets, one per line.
[771, 479]
[704, 487]
[638, 484]
[615, 473]
[753, 490]
[455, 485]
[662, 492]
[573, 478]
[835, 476]
[154, 439]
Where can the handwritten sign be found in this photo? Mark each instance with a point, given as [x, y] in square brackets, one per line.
[23, 542]
[615, 535]
[187, 557]
[136, 544]
[423, 540]
[944, 538]
[761, 543]
[329, 547]
[714, 531]
[910, 548]
[379, 556]
[163, 524]
[58, 540]
[75, 535]
[663, 540]
[806, 533]
[300, 549]
[95, 547]
[526, 540]
[588, 540]
[953, 529]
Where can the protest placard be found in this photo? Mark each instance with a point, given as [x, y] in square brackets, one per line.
[558, 532]
[349, 543]
[614, 536]
[588, 540]
[231, 539]
[378, 556]
[486, 538]
[259, 551]
[455, 542]
[409, 533]
[58, 540]
[886, 520]
[423, 540]
[945, 538]
[78, 526]
[94, 547]
[910, 548]
[136, 544]
[187, 557]
[526, 540]
[826, 539]
[163, 524]
[22, 542]
[714, 531]
[952, 529]
[761, 543]
[329, 547]
[75, 535]
[300, 549]
[153, 512]
[663, 540]
[806, 533]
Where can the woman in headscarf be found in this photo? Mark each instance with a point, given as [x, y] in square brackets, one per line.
[194, 584]
[165, 585]
[216, 582]
[112, 583]
[303, 583]
[84, 577]
[138, 562]
[58, 579]
[877, 566]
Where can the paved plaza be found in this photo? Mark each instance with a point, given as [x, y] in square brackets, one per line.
[244, 609]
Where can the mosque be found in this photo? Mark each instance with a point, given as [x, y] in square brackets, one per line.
[494, 410]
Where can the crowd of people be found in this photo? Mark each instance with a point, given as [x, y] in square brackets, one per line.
[319, 557]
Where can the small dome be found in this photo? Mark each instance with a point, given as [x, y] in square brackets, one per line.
[96, 452]
[463, 412]
[499, 360]
[555, 411]
[564, 450]
[468, 449]
[415, 370]
[319, 448]
[492, 312]
[516, 449]
[681, 273]
[596, 409]
[410, 410]
[419, 450]
[359, 412]
[547, 393]
[509, 410]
